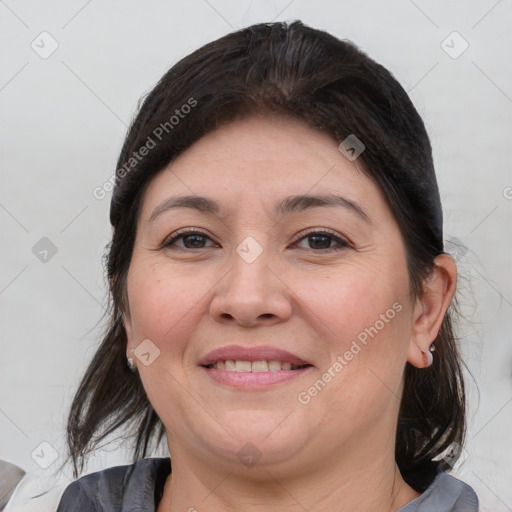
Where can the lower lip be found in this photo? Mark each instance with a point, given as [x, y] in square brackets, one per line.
[254, 380]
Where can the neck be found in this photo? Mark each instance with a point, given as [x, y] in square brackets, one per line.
[377, 486]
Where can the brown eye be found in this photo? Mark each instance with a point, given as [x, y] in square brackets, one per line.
[322, 240]
[191, 240]
[317, 240]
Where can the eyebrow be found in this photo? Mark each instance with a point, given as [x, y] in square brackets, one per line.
[290, 204]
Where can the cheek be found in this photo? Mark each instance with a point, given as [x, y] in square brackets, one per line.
[350, 303]
[164, 303]
[148, 298]
[364, 316]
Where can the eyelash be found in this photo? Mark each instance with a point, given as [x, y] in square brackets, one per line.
[343, 244]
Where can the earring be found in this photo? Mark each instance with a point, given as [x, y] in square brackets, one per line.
[428, 356]
[131, 365]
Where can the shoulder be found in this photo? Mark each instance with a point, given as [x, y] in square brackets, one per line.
[35, 493]
[112, 489]
[445, 494]
[456, 491]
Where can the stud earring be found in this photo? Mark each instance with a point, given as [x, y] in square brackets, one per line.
[428, 356]
[129, 361]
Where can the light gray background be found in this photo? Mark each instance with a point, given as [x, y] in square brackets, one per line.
[63, 123]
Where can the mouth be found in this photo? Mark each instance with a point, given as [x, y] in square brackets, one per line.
[253, 367]
[241, 366]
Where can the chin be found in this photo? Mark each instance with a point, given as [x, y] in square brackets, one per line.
[259, 439]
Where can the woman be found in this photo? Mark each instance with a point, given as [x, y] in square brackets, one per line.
[282, 304]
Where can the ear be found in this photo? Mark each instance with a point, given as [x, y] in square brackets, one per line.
[127, 323]
[430, 309]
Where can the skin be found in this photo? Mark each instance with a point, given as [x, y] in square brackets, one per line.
[337, 451]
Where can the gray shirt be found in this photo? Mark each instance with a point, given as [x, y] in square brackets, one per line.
[139, 487]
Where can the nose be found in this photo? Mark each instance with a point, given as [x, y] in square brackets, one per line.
[252, 293]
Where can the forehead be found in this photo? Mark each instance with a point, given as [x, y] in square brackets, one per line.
[262, 160]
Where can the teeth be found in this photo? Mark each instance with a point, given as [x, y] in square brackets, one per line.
[255, 366]
[242, 366]
[274, 366]
[229, 366]
[259, 366]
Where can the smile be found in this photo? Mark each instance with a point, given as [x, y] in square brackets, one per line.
[253, 375]
[272, 365]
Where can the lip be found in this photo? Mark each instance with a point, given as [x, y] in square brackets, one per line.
[254, 381]
[240, 353]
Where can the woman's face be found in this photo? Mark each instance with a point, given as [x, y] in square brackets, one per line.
[270, 270]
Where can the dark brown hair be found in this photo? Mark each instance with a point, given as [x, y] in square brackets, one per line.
[332, 86]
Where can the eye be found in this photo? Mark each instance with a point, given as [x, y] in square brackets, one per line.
[321, 239]
[192, 239]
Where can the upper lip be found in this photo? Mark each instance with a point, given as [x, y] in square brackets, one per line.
[239, 353]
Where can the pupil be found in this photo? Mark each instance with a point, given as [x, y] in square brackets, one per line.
[316, 237]
[317, 241]
[195, 237]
